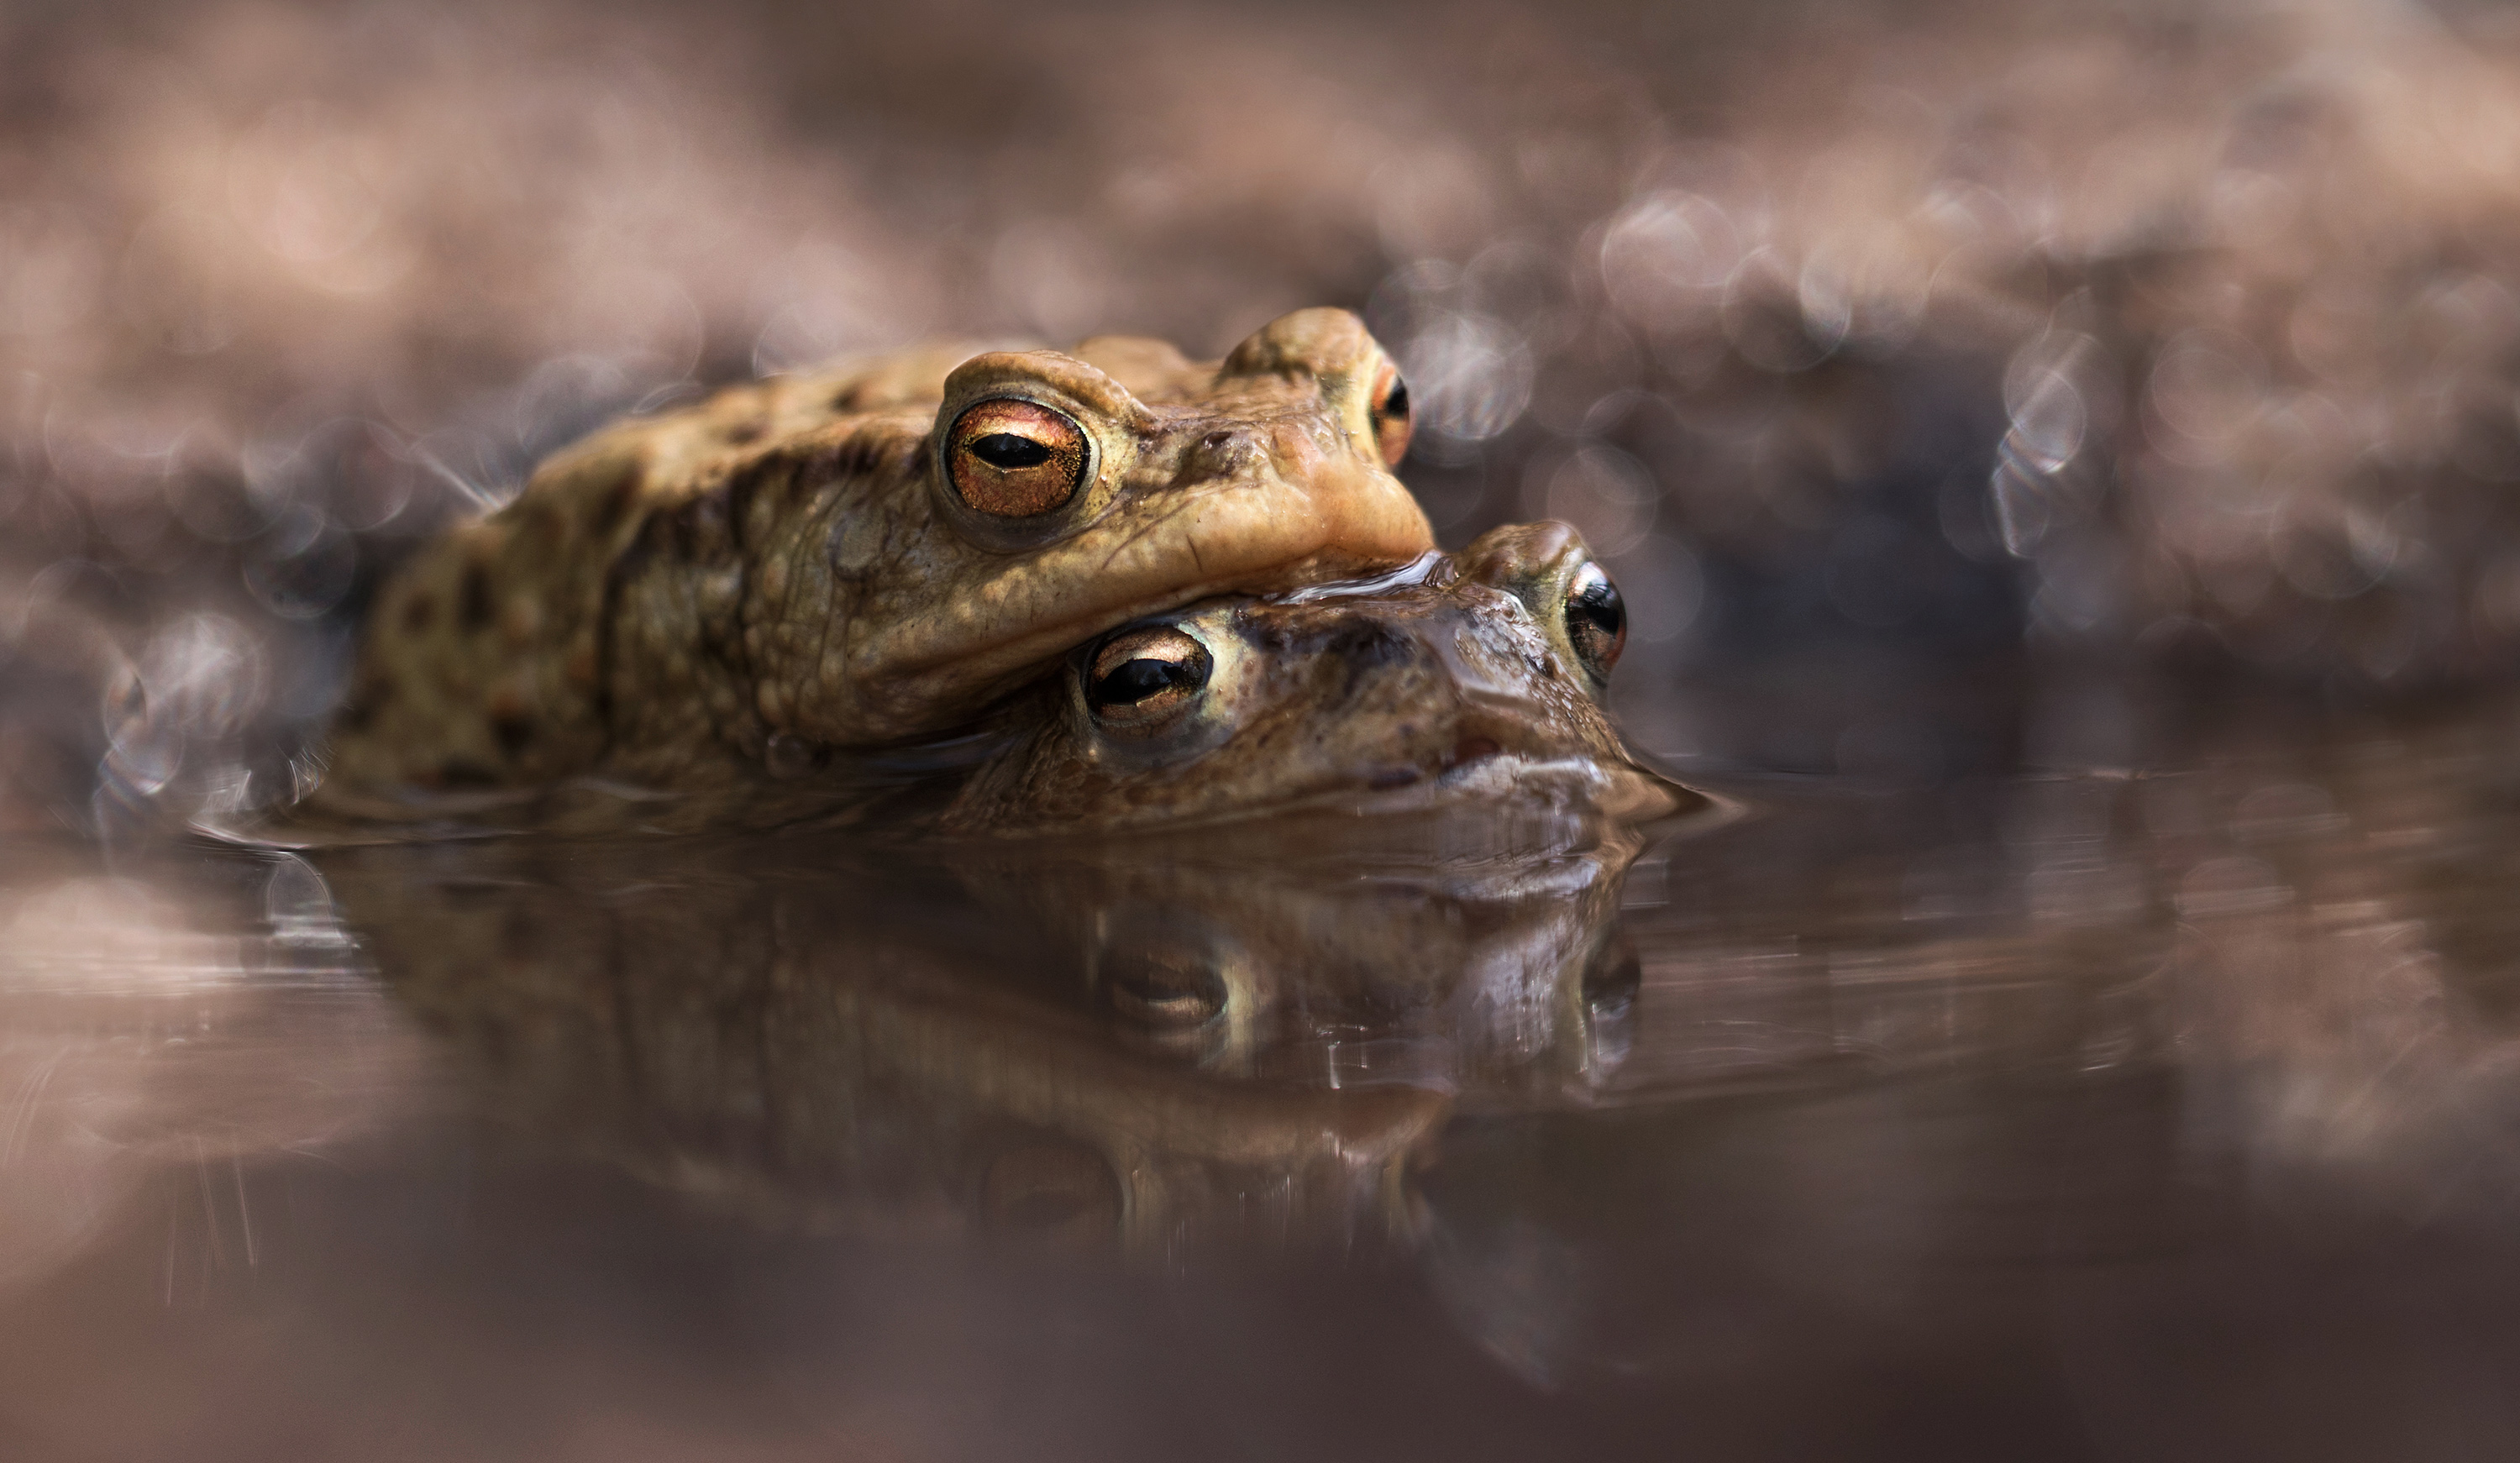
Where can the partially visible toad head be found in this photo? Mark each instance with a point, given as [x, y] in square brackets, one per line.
[1462, 678]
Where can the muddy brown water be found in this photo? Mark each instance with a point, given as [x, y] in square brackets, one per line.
[2112, 1115]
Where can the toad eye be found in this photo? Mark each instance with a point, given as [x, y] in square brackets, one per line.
[1597, 621]
[1016, 458]
[1006, 451]
[1139, 680]
[1389, 406]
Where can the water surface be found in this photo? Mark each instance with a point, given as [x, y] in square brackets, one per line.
[2108, 1114]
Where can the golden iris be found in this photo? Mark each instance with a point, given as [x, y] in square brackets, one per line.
[1141, 679]
[1389, 404]
[1014, 458]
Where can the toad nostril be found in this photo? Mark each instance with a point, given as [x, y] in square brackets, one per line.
[1223, 453]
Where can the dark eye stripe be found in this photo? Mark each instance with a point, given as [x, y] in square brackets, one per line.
[1134, 681]
[1008, 452]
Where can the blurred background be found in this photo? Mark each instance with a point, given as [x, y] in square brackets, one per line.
[1975, 401]
[1953, 387]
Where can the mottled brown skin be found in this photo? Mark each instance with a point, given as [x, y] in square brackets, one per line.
[1452, 681]
[731, 593]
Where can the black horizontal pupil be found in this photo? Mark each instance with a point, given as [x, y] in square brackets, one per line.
[1008, 452]
[1397, 402]
[1134, 681]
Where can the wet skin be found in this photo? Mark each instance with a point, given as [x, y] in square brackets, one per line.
[1470, 678]
[1459, 681]
[866, 556]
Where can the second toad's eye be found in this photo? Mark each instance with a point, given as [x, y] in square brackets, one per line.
[1390, 406]
[1016, 458]
[1139, 680]
[1597, 621]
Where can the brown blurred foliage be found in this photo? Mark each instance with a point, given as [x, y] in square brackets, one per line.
[1883, 350]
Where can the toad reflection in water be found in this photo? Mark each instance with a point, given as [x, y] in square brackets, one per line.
[1197, 1033]
[2067, 1091]
[1163, 1044]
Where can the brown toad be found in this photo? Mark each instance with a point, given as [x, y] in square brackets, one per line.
[1458, 680]
[868, 555]
[1462, 678]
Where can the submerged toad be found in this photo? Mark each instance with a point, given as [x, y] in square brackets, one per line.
[868, 555]
[1475, 676]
